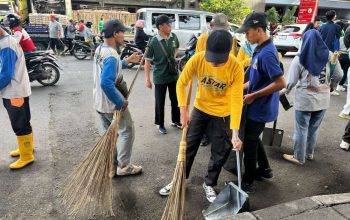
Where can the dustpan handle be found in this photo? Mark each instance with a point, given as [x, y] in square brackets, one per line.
[239, 170]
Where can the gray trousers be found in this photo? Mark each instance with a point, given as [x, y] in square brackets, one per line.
[126, 136]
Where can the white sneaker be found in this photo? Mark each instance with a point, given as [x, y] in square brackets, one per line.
[130, 169]
[209, 192]
[340, 88]
[166, 189]
[345, 146]
[335, 93]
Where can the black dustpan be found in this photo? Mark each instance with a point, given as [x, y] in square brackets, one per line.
[230, 201]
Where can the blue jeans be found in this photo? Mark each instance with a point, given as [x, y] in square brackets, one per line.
[125, 139]
[306, 129]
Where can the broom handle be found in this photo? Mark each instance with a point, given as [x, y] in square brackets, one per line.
[137, 72]
[139, 68]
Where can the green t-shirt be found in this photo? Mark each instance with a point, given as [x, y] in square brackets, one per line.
[100, 25]
[155, 53]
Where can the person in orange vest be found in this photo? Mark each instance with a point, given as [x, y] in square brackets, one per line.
[21, 35]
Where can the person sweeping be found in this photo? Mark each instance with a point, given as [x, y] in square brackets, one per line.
[15, 90]
[219, 100]
[110, 92]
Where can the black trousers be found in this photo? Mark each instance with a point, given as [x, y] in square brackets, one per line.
[70, 43]
[344, 63]
[160, 94]
[220, 145]
[254, 151]
[19, 114]
[55, 44]
[346, 136]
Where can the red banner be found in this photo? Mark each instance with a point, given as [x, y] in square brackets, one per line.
[307, 11]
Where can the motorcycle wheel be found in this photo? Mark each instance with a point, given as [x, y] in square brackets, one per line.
[54, 75]
[80, 53]
[125, 55]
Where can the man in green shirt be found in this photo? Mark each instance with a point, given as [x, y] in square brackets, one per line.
[162, 78]
[100, 25]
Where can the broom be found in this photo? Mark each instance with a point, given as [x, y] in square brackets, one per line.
[175, 206]
[88, 190]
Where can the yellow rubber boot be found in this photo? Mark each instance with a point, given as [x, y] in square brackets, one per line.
[15, 153]
[25, 145]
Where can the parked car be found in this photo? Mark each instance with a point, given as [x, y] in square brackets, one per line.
[289, 38]
[187, 22]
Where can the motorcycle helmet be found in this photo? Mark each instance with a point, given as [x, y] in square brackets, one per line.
[88, 24]
[13, 20]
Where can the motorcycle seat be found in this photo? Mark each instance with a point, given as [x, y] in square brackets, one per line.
[36, 53]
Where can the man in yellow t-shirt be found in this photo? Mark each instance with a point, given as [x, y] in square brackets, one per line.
[219, 101]
[219, 22]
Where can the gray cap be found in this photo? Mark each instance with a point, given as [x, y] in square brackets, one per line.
[220, 22]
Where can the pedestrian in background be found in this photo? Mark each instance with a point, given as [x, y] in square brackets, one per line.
[345, 113]
[89, 37]
[310, 72]
[330, 32]
[80, 27]
[163, 49]
[55, 34]
[345, 143]
[15, 91]
[262, 98]
[141, 38]
[100, 25]
[219, 101]
[343, 57]
[71, 29]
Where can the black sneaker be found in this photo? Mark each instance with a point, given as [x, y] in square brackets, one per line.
[176, 125]
[266, 173]
[162, 130]
[246, 187]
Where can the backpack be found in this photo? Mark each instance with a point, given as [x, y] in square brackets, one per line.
[347, 38]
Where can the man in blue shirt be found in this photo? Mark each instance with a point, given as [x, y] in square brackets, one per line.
[331, 32]
[262, 99]
[110, 93]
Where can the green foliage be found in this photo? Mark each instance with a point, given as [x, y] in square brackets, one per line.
[288, 17]
[235, 10]
[272, 15]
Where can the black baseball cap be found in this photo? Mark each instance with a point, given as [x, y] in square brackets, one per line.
[255, 19]
[163, 19]
[113, 26]
[219, 45]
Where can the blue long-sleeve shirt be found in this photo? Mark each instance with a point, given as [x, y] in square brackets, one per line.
[8, 59]
[330, 33]
[108, 78]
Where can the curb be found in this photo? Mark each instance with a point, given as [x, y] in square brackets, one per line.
[315, 207]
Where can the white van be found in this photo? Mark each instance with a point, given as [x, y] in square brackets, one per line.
[187, 22]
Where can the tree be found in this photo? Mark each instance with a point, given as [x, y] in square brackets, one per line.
[235, 10]
[288, 17]
[272, 15]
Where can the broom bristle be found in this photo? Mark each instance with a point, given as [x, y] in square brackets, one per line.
[88, 190]
[175, 206]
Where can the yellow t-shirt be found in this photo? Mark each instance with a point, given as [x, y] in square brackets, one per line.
[220, 89]
[202, 43]
[244, 58]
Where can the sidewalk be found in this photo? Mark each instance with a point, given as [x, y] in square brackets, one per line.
[334, 207]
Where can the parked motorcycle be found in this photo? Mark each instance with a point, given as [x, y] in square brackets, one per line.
[190, 50]
[42, 66]
[82, 49]
[127, 51]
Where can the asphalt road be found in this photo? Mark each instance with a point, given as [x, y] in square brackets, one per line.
[66, 127]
